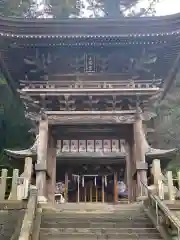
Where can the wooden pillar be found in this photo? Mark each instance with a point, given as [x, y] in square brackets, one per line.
[102, 189]
[115, 187]
[171, 191]
[51, 168]
[78, 178]
[141, 165]
[129, 176]
[91, 192]
[66, 187]
[41, 166]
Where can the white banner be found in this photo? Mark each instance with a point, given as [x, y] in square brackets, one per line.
[115, 145]
[66, 147]
[59, 145]
[90, 145]
[82, 145]
[107, 145]
[74, 145]
[98, 145]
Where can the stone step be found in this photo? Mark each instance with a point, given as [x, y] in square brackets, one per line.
[95, 220]
[100, 230]
[92, 214]
[10, 223]
[92, 207]
[122, 223]
[128, 224]
[56, 234]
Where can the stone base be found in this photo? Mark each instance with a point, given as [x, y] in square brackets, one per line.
[42, 199]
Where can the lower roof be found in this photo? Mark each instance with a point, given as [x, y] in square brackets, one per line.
[121, 154]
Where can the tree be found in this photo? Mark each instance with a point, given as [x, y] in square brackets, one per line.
[12, 120]
[74, 8]
[39, 9]
[120, 8]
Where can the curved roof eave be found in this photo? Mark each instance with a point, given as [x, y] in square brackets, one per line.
[152, 153]
[75, 27]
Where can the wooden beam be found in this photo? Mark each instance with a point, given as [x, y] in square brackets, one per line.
[70, 113]
[91, 119]
[88, 90]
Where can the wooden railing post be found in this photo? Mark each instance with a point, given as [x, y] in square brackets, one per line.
[157, 178]
[156, 171]
[171, 191]
[23, 188]
[3, 179]
[178, 178]
[13, 194]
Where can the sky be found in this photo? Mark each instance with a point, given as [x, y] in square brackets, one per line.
[164, 7]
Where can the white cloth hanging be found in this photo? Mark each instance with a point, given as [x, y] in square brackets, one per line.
[83, 181]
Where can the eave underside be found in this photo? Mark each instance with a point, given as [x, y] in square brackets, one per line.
[124, 26]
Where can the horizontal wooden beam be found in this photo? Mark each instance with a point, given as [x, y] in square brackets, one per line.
[106, 79]
[86, 118]
[70, 113]
[89, 90]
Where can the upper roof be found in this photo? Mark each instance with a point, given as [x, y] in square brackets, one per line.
[125, 27]
[157, 39]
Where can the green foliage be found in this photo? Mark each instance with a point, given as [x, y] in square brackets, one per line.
[168, 120]
[14, 7]
[64, 8]
[13, 125]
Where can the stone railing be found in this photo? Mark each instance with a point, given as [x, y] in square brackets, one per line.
[164, 183]
[163, 218]
[28, 223]
[19, 183]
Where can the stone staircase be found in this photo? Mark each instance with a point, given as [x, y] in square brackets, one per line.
[103, 222]
[10, 223]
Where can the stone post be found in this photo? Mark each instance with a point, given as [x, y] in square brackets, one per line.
[41, 166]
[141, 165]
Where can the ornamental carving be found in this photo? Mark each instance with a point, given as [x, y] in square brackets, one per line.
[130, 64]
[126, 119]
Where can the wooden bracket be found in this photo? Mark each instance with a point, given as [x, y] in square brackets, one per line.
[39, 167]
